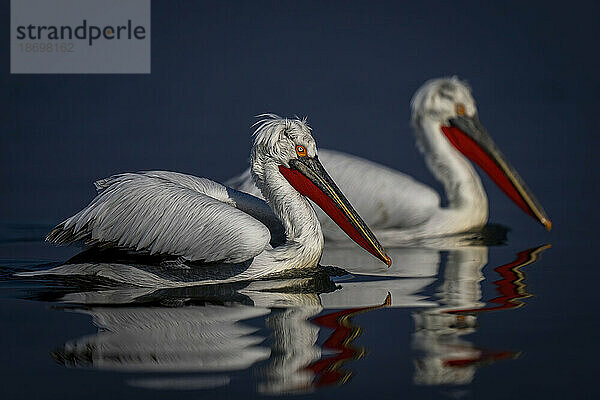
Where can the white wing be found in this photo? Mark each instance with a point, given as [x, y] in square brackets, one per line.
[383, 197]
[162, 212]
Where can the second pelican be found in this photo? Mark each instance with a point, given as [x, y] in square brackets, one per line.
[448, 133]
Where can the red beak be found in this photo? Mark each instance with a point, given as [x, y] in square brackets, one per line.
[310, 179]
[469, 137]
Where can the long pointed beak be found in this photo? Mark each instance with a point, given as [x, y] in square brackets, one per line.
[308, 177]
[469, 136]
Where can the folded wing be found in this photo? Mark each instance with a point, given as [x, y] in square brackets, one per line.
[161, 212]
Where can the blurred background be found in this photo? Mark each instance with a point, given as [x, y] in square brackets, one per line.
[350, 67]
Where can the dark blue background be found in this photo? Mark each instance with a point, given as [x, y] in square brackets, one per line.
[351, 67]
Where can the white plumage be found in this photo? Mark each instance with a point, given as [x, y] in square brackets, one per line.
[397, 207]
[198, 220]
[163, 212]
[384, 197]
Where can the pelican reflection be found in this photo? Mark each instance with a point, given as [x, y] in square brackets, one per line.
[204, 337]
[446, 357]
[200, 337]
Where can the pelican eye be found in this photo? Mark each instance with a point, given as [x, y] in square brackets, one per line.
[460, 109]
[301, 151]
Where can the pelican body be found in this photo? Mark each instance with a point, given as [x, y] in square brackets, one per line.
[449, 134]
[197, 220]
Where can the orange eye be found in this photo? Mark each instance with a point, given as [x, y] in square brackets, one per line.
[301, 151]
[460, 109]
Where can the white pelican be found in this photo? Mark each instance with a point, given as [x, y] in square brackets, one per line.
[399, 208]
[198, 220]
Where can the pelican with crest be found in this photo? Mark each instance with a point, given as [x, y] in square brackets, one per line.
[198, 221]
[449, 134]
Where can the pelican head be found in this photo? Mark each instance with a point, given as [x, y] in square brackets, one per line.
[448, 106]
[285, 147]
[442, 100]
[281, 140]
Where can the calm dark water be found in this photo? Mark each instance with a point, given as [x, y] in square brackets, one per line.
[351, 68]
[470, 322]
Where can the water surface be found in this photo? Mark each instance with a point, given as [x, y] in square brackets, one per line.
[415, 331]
[437, 322]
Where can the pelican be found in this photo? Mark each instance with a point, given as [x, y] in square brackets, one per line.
[197, 220]
[448, 133]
